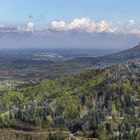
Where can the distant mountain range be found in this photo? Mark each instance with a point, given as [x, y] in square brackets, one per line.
[120, 57]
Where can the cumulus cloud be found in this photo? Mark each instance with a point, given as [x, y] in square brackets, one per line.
[30, 27]
[104, 26]
[84, 24]
[131, 22]
[80, 25]
[60, 33]
[59, 25]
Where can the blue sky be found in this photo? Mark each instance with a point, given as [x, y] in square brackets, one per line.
[71, 23]
[17, 11]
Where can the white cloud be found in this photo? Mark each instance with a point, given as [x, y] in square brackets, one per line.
[30, 27]
[59, 25]
[104, 26]
[131, 22]
[84, 24]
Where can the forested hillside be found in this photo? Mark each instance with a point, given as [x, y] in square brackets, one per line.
[100, 103]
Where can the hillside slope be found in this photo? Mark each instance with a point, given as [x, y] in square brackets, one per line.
[100, 100]
[120, 57]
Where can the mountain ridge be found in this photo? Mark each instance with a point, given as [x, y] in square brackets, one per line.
[115, 58]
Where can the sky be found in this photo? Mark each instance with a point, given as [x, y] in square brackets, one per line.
[73, 23]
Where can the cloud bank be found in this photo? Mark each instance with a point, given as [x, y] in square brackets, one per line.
[88, 25]
[85, 24]
[82, 32]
